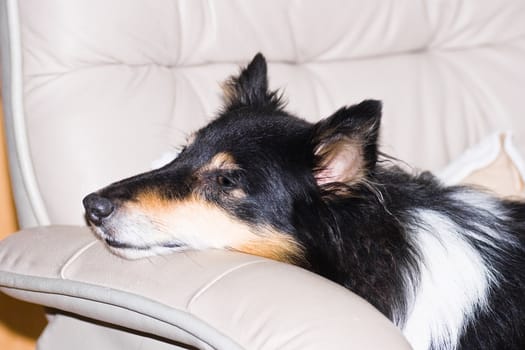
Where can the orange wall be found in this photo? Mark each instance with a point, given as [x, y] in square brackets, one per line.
[20, 323]
[7, 211]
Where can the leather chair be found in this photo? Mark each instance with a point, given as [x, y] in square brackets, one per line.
[97, 90]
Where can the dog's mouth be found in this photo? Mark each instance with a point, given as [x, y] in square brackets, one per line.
[123, 245]
[129, 247]
[136, 251]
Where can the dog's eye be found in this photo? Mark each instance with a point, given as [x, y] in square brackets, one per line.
[225, 181]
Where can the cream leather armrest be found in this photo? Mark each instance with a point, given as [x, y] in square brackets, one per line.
[211, 300]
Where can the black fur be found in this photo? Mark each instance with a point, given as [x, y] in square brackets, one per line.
[358, 233]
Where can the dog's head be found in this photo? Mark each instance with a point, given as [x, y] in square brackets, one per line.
[242, 181]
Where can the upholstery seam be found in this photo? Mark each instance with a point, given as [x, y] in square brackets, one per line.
[214, 281]
[74, 257]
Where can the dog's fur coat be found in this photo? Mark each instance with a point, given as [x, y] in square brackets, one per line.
[445, 264]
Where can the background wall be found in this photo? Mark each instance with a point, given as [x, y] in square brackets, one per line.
[7, 211]
[20, 323]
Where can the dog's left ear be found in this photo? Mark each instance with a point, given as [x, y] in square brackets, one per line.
[345, 144]
[250, 87]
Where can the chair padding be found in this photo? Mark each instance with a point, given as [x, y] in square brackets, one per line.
[208, 299]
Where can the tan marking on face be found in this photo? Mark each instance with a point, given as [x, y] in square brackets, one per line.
[276, 246]
[203, 225]
[149, 201]
[194, 221]
[237, 193]
[221, 161]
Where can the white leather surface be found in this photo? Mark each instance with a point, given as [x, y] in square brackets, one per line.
[108, 86]
[216, 298]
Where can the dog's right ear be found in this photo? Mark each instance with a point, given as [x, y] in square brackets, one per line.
[345, 144]
[250, 88]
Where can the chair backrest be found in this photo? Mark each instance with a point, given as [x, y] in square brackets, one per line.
[96, 90]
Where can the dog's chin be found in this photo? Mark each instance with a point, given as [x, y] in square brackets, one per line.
[132, 249]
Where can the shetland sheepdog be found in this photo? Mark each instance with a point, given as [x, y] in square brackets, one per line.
[445, 264]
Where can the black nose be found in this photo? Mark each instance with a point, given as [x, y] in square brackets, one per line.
[97, 208]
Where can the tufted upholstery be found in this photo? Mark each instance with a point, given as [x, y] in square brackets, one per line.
[117, 83]
[96, 90]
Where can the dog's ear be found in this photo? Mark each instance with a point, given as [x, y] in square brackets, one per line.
[250, 87]
[345, 144]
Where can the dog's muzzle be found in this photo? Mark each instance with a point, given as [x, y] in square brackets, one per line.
[97, 208]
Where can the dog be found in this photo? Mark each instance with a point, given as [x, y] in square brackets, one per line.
[445, 264]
